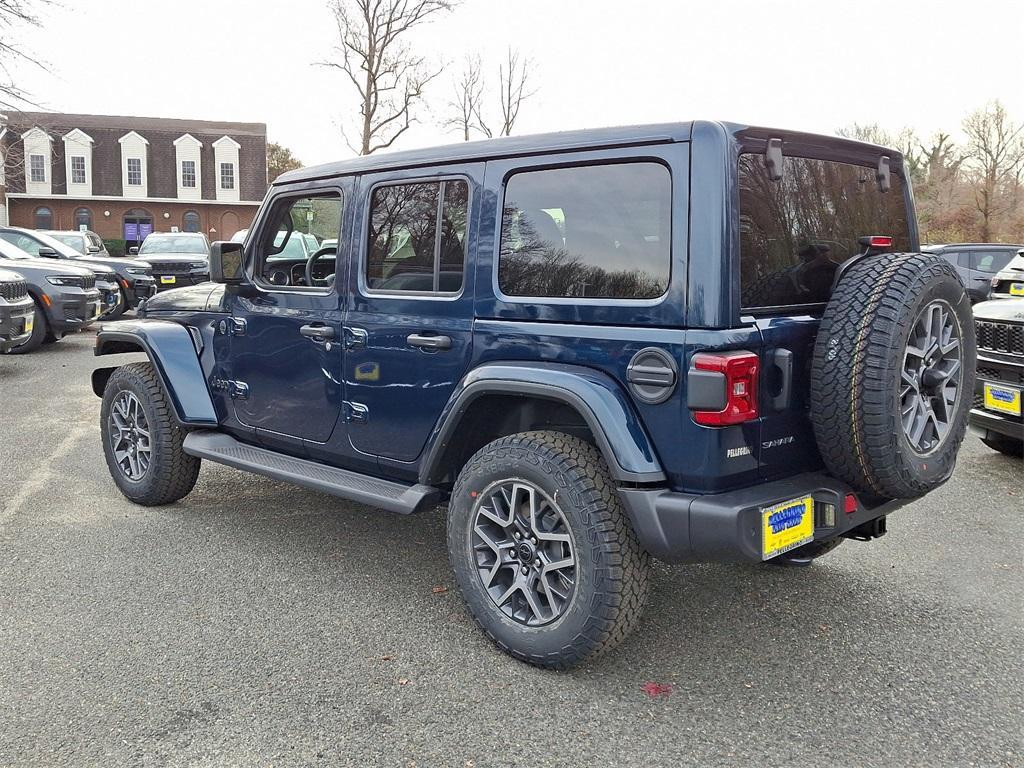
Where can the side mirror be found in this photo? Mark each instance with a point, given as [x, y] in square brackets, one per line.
[226, 263]
[133, 251]
[47, 253]
[93, 249]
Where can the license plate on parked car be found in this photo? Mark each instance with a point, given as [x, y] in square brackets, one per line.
[97, 308]
[786, 526]
[1017, 289]
[29, 324]
[1002, 399]
[167, 279]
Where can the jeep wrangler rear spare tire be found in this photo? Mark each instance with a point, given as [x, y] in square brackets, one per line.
[542, 550]
[893, 374]
[142, 441]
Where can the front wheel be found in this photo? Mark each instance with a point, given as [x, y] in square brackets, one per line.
[142, 442]
[542, 550]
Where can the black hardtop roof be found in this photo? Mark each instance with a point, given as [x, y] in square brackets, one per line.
[567, 141]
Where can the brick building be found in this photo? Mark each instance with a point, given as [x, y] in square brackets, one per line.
[124, 177]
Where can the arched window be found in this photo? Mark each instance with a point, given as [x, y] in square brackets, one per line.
[44, 218]
[190, 221]
[83, 218]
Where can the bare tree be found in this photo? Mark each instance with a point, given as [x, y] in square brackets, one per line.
[514, 78]
[13, 14]
[994, 159]
[467, 98]
[385, 72]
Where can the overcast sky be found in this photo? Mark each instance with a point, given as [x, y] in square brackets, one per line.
[812, 66]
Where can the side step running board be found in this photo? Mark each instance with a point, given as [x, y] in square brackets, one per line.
[394, 497]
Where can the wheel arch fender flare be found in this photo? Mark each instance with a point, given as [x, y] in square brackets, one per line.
[594, 395]
[171, 349]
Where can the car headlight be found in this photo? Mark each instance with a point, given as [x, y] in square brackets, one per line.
[136, 270]
[199, 265]
[75, 280]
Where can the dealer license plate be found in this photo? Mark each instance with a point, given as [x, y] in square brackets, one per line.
[97, 309]
[30, 323]
[167, 279]
[1002, 399]
[786, 526]
[1017, 289]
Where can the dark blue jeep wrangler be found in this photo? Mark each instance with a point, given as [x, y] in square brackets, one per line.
[698, 341]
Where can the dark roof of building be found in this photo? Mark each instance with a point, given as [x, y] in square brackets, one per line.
[25, 120]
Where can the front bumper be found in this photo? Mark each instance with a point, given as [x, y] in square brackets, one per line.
[15, 319]
[1003, 371]
[140, 288]
[179, 279]
[74, 310]
[680, 527]
[110, 296]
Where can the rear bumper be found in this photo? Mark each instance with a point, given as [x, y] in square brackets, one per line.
[680, 527]
[13, 317]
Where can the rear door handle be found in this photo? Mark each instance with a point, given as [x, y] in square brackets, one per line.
[428, 342]
[317, 332]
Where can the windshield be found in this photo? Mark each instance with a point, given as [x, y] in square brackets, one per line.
[293, 249]
[173, 244]
[10, 251]
[73, 241]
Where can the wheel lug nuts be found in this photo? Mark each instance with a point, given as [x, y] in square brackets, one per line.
[537, 562]
[524, 570]
[533, 539]
[517, 535]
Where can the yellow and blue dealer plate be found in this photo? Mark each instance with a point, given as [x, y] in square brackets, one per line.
[29, 324]
[1017, 289]
[786, 526]
[167, 278]
[1002, 399]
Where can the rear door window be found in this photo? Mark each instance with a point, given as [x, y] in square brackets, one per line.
[598, 231]
[990, 261]
[795, 232]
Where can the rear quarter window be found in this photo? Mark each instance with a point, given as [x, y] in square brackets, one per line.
[597, 231]
[795, 232]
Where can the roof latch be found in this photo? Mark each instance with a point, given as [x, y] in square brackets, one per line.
[883, 175]
[773, 159]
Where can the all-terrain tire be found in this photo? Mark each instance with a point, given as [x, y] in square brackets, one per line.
[856, 377]
[40, 330]
[171, 472]
[612, 570]
[1005, 445]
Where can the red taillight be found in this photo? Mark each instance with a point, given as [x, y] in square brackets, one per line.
[880, 241]
[851, 504]
[739, 371]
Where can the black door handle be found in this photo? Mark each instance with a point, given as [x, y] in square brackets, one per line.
[429, 342]
[317, 332]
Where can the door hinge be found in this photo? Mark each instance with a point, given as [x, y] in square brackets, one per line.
[356, 413]
[231, 326]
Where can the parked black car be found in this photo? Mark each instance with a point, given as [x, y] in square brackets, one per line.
[64, 294]
[1009, 282]
[177, 258]
[676, 341]
[996, 413]
[123, 282]
[17, 311]
[976, 263]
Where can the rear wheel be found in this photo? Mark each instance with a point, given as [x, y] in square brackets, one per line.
[1005, 445]
[40, 332]
[542, 551]
[142, 442]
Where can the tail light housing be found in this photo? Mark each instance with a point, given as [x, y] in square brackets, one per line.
[737, 373]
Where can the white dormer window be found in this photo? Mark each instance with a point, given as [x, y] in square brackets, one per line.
[37, 169]
[38, 149]
[134, 155]
[189, 162]
[78, 162]
[225, 155]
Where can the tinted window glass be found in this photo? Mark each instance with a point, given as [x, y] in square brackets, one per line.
[794, 233]
[600, 231]
[298, 223]
[990, 261]
[407, 250]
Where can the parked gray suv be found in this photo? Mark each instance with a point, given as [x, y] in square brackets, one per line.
[976, 263]
[17, 311]
[65, 295]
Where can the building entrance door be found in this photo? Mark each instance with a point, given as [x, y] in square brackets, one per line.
[137, 224]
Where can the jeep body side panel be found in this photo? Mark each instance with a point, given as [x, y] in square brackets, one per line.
[594, 395]
[172, 351]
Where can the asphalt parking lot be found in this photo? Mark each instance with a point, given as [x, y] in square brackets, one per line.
[255, 623]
